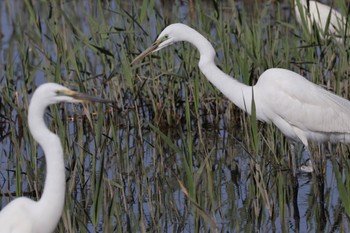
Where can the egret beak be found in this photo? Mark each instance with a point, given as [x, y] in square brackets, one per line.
[149, 50]
[82, 98]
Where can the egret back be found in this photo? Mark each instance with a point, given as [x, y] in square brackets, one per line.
[298, 106]
[16, 217]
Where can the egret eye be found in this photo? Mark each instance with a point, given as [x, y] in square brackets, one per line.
[59, 92]
[64, 92]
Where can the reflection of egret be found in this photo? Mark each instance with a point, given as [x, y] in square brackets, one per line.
[324, 17]
[24, 215]
[302, 110]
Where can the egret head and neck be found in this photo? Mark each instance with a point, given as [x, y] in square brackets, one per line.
[48, 94]
[48, 209]
[180, 32]
[238, 93]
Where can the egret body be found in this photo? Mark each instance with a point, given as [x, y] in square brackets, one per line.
[24, 215]
[302, 110]
[323, 16]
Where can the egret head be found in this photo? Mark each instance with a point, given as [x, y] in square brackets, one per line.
[53, 93]
[171, 34]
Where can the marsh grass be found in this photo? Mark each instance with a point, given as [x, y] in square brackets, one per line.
[171, 154]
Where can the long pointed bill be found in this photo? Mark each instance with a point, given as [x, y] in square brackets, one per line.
[149, 50]
[80, 97]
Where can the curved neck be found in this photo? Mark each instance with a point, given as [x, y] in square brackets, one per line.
[51, 203]
[239, 93]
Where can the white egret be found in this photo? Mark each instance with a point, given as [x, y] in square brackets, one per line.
[24, 215]
[302, 110]
[327, 19]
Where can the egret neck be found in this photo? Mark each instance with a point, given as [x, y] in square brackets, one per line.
[54, 189]
[239, 93]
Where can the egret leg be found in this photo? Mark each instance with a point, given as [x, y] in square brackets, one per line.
[295, 187]
[295, 191]
[294, 163]
[314, 165]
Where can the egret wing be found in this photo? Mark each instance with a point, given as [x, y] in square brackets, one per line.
[305, 105]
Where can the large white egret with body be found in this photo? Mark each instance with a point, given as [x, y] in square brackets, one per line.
[24, 215]
[325, 18]
[302, 110]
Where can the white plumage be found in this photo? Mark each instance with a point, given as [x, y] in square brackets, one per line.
[24, 215]
[313, 12]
